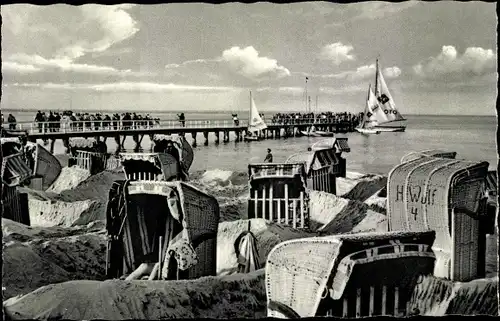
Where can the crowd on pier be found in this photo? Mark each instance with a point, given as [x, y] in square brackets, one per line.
[54, 121]
[322, 118]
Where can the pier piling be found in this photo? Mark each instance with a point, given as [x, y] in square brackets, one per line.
[205, 134]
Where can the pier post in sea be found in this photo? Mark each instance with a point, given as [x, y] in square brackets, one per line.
[138, 140]
[52, 142]
[205, 134]
[193, 135]
[66, 144]
[217, 137]
[120, 141]
[225, 139]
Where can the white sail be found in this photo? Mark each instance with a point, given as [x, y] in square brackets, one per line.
[255, 122]
[385, 99]
[373, 113]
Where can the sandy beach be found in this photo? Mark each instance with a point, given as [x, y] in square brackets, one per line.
[55, 268]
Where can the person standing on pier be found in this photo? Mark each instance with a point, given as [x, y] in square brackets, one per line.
[12, 121]
[236, 120]
[269, 156]
[182, 119]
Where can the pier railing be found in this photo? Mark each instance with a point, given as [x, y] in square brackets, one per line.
[78, 126]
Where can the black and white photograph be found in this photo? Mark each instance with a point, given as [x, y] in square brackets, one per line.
[249, 160]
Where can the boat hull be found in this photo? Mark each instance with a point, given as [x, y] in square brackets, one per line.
[390, 129]
[313, 134]
[325, 134]
[368, 131]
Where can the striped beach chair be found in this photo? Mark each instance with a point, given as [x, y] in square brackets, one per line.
[445, 195]
[350, 275]
[141, 213]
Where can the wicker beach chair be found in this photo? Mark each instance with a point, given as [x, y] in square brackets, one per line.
[350, 275]
[151, 167]
[278, 193]
[140, 212]
[184, 151]
[88, 153]
[444, 195]
[322, 168]
[428, 153]
[15, 172]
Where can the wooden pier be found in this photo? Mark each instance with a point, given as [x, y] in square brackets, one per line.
[120, 130]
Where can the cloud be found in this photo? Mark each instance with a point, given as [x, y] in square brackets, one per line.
[299, 91]
[35, 63]
[247, 63]
[128, 87]
[376, 10]
[191, 62]
[66, 31]
[337, 53]
[114, 23]
[363, 72]
[368, 10]
[475, 61]
[11, 66]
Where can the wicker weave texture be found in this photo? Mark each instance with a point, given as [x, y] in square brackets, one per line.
[297, 271]
[430, 188]
[396, 210]
[47, 165]
[201, 219]
[428, 153]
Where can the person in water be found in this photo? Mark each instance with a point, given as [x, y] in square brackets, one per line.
[269, 156]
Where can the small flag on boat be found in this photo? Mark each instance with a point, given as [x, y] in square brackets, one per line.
[383, 99]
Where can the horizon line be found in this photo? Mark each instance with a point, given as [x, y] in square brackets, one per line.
[211, 111]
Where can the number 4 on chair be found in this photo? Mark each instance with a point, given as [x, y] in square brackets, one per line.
[414, 212]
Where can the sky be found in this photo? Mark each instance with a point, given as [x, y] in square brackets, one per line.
[436, 57]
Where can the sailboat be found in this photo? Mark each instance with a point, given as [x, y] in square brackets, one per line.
[390, 119]
[321, 133]
[311, 131]
[372, 112]
[255, 122]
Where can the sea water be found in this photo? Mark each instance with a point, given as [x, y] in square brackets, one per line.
[472, 137]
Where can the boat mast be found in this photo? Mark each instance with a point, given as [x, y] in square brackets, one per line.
[250, 111]
[306, 93]
[376, 76]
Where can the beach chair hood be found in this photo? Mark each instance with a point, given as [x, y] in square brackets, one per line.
[440, 194]
[301, 272]
[15, 170]
[196, 213]
[186, 154]
[145, 163]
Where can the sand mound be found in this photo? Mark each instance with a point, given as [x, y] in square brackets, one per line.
[35, 256]
[69, 178]
[331, 214]
[377, 202]
[82, 256]
[57, 213]
[436, 297]
[233, 209]
[80, 205]
[210, 297]
[14, 231]
[360, 187]
[94, 187]
[373, 222]
[268, 235]
[24, 270]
